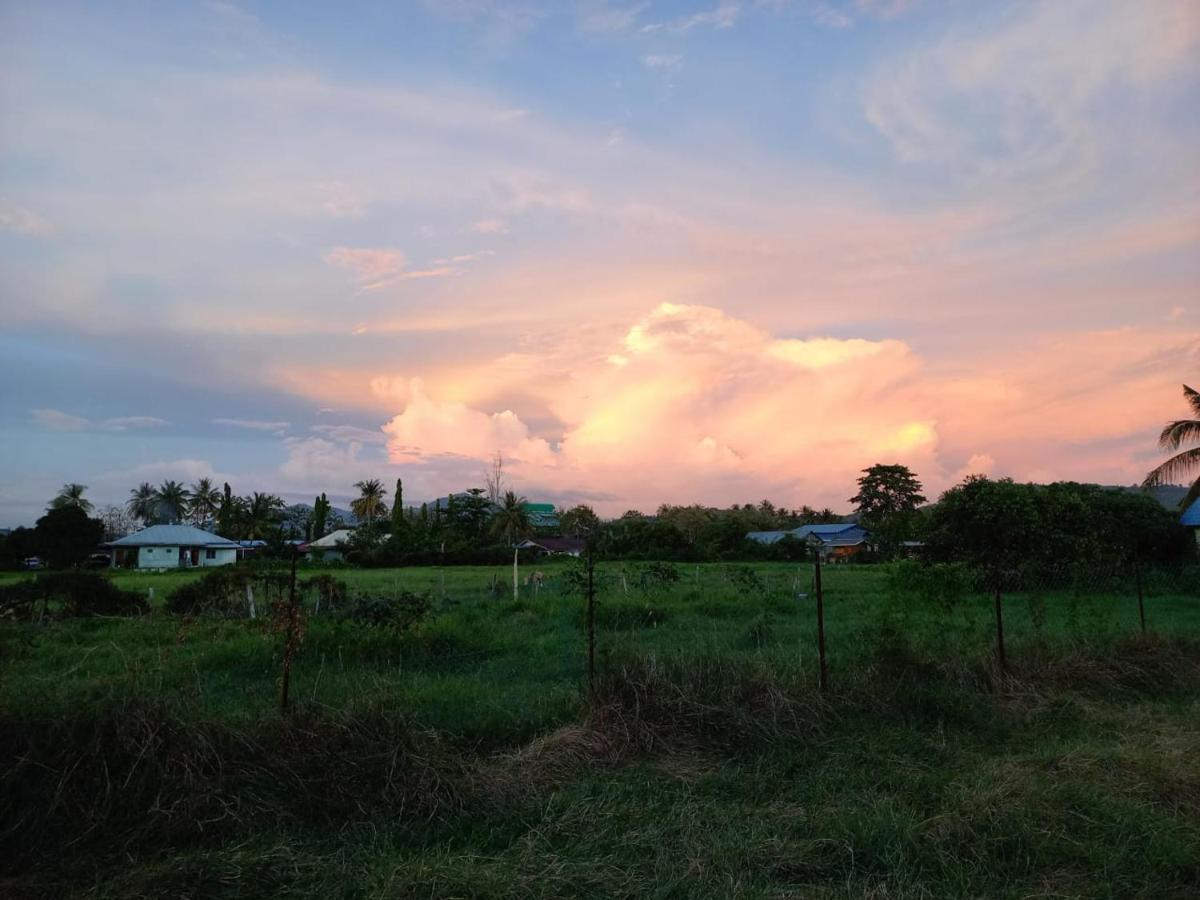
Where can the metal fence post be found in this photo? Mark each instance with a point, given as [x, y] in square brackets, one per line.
[824, 669]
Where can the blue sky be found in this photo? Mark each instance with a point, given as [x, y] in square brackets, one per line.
[650, 251]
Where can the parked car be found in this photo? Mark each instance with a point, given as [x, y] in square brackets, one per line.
[33, 562]
[98, 561]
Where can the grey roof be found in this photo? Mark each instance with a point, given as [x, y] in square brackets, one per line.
[173, 536]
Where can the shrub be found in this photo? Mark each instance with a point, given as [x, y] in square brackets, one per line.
[396, 614]
[79, 595]
[657, 576]
[221, 592]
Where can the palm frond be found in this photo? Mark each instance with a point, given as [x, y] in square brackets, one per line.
[1193, 398]
[1178, 466]
[1179, 432]
[1192, 495]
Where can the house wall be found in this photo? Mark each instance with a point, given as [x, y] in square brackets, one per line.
[222, 556]
[158, 557]
[168, 557]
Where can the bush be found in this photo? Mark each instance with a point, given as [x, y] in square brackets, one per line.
[78, 595]
[396, 614]
[221, 592]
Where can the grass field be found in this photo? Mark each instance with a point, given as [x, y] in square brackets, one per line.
[148, 756]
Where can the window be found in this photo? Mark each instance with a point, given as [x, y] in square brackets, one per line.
[149, 551]
[210, 554]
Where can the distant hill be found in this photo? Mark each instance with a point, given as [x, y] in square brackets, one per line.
[297, 514]
[1169, 495]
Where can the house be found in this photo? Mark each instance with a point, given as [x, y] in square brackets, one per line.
[834, 541]
[554, 546]
[541, 515]
[1191, 519]
[328, 547]
[172, 547]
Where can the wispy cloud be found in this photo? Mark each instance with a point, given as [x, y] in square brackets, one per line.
[19, 220]
[57, 420]
[663, 60]
[603, 17]
[723, 15]
[276, 428]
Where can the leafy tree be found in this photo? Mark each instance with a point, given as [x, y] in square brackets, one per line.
[887, 501]
[65, 537]
[370, 501]
[579, 520]
[398, 508]
[71, 494]
[1186, 462]
[320, 517]
[172, 500]
[204, 502]
[227, 512]
[16, 547]
[143, 503]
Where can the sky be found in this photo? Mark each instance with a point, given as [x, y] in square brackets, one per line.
[651, 252]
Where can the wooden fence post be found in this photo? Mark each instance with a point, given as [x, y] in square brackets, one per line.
[824, 669]
[1000, 655]
[591, 621]
[289, 636]
[1137, 575]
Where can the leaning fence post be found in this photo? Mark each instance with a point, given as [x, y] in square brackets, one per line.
[824, 670]
[1000, 656]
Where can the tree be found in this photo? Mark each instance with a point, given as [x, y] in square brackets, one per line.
[71, 494]
[887, 501]
[117, 522]
[579, 520]
[370, 501]
[260, 515]
[1186, 462]
[205, 501]
[320, 517]
[494, 480]
[143, 503]
[65, 537]
[511, 522]
[172, 500]
[227, 512]
[398, 508]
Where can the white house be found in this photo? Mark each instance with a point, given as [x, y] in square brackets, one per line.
[328, 547]
[172, 547]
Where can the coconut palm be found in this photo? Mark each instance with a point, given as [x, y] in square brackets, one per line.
[143, 503]
[511, 522]
[261, 515]
[172, 499]
[370, 500]
[71, 494]
[206, 500]
[1187, 462]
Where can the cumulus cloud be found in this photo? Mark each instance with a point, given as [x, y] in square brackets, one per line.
[695, 404]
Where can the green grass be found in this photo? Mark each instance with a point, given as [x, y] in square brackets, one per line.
[708, 765]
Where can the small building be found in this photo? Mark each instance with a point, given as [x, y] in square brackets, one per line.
[837, 541]
[1191, 519]
[541, 515]
[329, 547]
[172, 547]
[554, 546]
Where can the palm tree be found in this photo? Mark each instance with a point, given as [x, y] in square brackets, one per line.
[511, 522]
[1183, 464]
[206, 500]
[143, 503]
[370, 501]
[71, 494]
[261, 514]
[172, 499]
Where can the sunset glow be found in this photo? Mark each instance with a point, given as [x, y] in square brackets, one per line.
[650, 252]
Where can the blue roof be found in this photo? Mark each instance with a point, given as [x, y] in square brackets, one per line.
[824, 530]
[1191, 515]
[172, 536]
